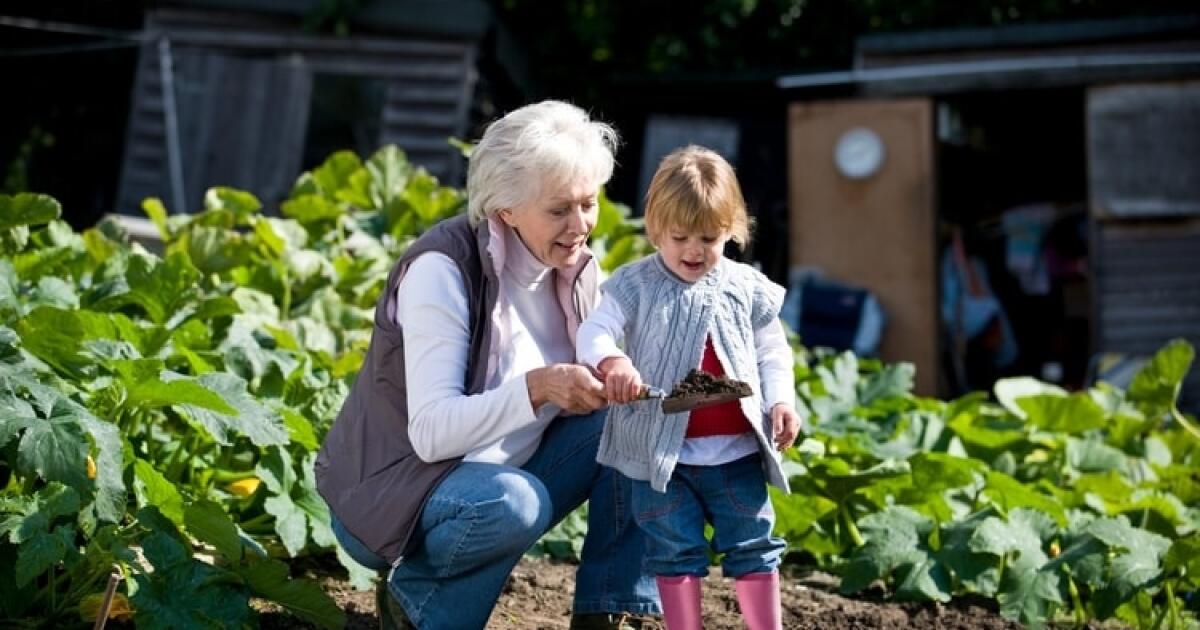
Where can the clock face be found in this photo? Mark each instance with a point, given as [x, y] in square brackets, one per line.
[859, 153]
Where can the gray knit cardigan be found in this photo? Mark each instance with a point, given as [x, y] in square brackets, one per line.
[667, 321]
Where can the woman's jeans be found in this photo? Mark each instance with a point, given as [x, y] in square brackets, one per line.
[482, 518]
[733, 497]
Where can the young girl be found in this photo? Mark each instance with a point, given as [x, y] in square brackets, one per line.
[688, 306]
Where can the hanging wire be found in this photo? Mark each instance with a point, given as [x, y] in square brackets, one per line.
[113, 38]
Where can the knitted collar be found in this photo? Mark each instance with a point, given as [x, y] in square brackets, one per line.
[709, 280]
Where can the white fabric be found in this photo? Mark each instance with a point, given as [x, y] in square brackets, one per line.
[498, 425]
[599, 338]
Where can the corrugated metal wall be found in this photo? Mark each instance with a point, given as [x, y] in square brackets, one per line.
[242, 90]
[1144, 184]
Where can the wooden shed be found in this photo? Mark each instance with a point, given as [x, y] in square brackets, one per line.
[239, 94]
[987, 143]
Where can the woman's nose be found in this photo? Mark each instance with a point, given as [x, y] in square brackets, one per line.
[577, 221]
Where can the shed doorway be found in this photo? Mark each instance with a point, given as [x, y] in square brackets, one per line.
[1013, 228]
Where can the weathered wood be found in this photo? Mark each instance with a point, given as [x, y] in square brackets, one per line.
[1144, 150]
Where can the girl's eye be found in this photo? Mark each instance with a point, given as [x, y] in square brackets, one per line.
[708, 240]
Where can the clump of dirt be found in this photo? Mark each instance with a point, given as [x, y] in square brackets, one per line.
[539, 592]
[701, 382]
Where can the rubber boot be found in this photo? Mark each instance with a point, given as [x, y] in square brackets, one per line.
[680, 595]
[758, 597]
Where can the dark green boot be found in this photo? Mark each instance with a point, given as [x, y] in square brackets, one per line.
[391, 613]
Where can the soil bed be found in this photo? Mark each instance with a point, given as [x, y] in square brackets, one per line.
[538, 595]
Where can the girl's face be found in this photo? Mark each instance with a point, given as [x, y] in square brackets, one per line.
[690, 254]
[556, 224]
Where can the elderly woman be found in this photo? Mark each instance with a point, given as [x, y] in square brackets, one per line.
[471, 429]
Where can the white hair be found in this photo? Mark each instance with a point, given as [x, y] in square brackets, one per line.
[550, 142]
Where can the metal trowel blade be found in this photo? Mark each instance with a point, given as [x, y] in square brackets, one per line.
[689, 402]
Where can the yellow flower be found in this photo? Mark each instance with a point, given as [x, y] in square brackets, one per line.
[244, 487]
[91, 467]
[90, 605]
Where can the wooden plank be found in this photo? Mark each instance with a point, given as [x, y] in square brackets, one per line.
[878, 232]
[1143, 149]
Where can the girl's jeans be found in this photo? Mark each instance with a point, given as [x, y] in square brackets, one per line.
[482, 517]
[733, 497]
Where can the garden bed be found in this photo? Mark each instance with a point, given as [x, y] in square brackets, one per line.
[538, 595]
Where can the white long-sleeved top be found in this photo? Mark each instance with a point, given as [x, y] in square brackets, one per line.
[601, 333]
[498, 425]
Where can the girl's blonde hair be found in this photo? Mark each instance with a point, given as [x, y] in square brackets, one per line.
[695, 189]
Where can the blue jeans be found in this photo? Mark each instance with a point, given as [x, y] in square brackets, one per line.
[733, 497]
[482, 518]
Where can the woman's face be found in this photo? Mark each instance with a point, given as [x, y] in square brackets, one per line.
[556, 224]
[690, 254]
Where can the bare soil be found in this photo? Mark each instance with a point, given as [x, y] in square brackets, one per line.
[538, 595]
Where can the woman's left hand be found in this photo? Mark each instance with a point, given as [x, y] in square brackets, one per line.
[785, 425]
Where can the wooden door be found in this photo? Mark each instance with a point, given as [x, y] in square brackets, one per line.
[871, 229]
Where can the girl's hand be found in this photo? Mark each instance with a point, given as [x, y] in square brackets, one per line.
[622, 382]
[785, 425]
[572, 387]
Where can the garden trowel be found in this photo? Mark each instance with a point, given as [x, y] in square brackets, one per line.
[679, 403]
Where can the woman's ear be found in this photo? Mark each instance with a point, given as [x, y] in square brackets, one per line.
[505, 215]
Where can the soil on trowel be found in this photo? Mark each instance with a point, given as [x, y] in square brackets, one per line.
[701, 382]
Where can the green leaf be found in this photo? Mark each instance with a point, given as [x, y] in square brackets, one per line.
[1157, 385]
[1058, 414]
[390, 172]
[208, 522]
[300, 430]
[159, 288]
[24, 209]
[895, 380]
[149, 386]
[311, 209]
[253, 420]
[154, 208]
[214, 249]
[978, 572]
[1009, 390]
[239, 202]
[897, 542]
[152, 488]
[269, 579]
[56, 449]
[109, 483]
[1023, 533]
[184, 593]
[1009, 494]
[1132, 570]
[1183, 558]
[334, 174]
[1092, 455]
[44, 550]
[1029, 596]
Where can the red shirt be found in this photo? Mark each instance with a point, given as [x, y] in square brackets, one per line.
[723, 419]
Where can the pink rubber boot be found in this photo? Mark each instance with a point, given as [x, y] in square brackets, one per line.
[758, 597]
[680, 595]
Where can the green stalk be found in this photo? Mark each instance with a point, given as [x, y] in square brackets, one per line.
[261, 519]
[852, 529]
[1183, 422]
[285, 308]
[1173, 606]
[1076, 602]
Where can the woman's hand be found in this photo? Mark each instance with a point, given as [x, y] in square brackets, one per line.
[785, 425]
[571, 387]
[622, 382]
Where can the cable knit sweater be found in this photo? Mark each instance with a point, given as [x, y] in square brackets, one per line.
[668, 321]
